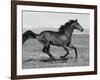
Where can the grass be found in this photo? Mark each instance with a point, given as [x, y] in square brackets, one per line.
[33, 57]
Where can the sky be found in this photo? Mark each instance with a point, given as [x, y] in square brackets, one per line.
[39, 21]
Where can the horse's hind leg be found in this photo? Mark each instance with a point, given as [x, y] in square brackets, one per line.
[66, 53]
[46, 50]
[71, 46]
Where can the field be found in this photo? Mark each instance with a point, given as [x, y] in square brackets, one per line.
[33, 57]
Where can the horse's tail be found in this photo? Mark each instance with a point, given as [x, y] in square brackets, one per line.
[28, 34]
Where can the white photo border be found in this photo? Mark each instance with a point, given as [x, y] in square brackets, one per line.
[21, 71]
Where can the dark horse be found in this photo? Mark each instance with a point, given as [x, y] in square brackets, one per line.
[58, 38]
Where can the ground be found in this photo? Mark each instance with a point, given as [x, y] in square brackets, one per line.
[33, 57]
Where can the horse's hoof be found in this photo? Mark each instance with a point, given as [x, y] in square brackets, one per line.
[54, 59]
[62, 57]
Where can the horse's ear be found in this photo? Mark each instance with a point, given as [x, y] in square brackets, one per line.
[76, 20]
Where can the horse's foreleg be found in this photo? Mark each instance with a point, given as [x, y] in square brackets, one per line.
[66, 53]
[71, 46]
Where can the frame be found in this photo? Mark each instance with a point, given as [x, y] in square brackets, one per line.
[19, 10]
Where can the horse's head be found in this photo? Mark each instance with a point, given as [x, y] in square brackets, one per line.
[77, 26]
[71, 24]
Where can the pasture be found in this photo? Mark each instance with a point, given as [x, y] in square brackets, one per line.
[33, 57]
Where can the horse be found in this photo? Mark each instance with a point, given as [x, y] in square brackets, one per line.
[61, 38]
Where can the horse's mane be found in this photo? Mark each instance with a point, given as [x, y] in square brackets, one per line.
[66, 26]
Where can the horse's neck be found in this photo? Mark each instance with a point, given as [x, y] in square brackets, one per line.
[69, 31]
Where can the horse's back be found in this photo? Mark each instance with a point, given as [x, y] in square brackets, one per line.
[45, 35]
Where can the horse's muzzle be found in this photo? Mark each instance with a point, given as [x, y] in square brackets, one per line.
[82, 30]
